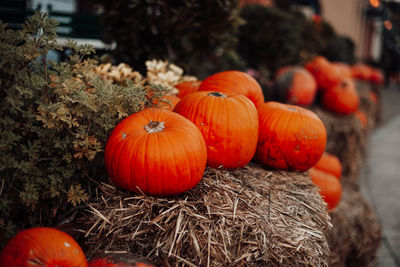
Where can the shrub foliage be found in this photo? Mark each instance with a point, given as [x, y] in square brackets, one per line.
[55, 119]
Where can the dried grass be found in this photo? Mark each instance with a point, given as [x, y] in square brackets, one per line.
[356, 233]
[244, 217]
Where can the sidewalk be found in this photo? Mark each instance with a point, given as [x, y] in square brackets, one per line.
[380, 178]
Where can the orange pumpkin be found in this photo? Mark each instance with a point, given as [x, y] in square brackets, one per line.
[330, 187]
[119, 260]
[290, 137]
[188, 87]
[342, 98]
[362, 117]
[296, 85]
[373, 96]
[170, 102]
[344, 69]
[234, 82]
[42, 246]
[324, 72]
[229, 124]
[361, 71]
[157, 152]
[377, 76]
[330, 164]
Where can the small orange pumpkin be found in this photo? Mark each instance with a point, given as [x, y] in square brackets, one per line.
[361, 71]
[373, 96]
[377, 76]
[234, 82]
[229, 124]
[344, 69]
[342, 98]
[42, 246]
[330, 163]
[296, 85]
[362, 117]
[187, 87]
[324, 72]
[290, 137]
[330, 187]
[170, 102]
[157, 152]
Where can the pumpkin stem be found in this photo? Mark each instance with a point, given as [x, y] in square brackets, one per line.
[154, 126]
[217, 94]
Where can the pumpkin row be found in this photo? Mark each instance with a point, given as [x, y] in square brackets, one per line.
[222, 124]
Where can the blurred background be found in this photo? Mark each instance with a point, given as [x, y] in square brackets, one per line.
[208, 36]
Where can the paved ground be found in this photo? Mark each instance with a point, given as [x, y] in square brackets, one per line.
[380, 178]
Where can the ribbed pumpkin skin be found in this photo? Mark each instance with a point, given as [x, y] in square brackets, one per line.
[45, 247]
[229, 125]
[159, 163]
[290, 137]
[296, 85]
[188, 87]
[331, 164]
[330, 187]
[342, 98]
[234, 82]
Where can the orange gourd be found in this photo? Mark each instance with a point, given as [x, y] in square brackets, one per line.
[229, 124]
[157, 152]
[342, 98]
[330, 163]
[290, 137]
[330, 187]
[296, 85]
[234, 82]
[187, 87]
[42, 246]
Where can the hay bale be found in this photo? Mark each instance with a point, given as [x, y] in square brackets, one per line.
[356, 234]
[347, 140]
[244, 217]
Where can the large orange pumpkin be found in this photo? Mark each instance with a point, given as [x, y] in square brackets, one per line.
[156, 151]
[330, 187]
[325, 73]
[187, 87]
[229, 124]
[42, 246]
[234, 82]
[290, 137]
[119, 260]
[342, 98]
[296, 85]
[330, 163]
